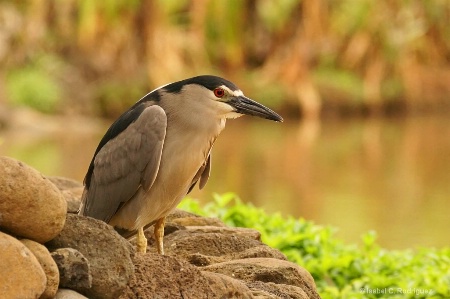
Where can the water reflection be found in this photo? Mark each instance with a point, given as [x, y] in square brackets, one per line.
[388, 175]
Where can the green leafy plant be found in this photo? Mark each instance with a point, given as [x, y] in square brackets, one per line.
[340, 270]
[33, 87]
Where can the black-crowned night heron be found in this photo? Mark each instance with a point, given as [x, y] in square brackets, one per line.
[155, 153]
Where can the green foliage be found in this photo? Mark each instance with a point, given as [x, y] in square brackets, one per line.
[340, 270]
[34, 88]
[351, 16]
[34, 85]
[276, 14]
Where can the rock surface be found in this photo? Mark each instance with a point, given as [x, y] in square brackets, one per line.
[198, 221]
[48, 265]
[71, 190]
[109, 254]
[235, 231]
[267, 270]
[69, 294]
[183, 243]
[210, 246]
[21, 275]
[159, 276]
[74, 269]
[272, 290]
[30, 205]
[226, 287]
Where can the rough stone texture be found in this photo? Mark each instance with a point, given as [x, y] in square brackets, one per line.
[21, 275]
[260, 251]
[30, 205]
[48, 265]
[226, 287]
[71, 191]
[198, 221]
[183, 243]
[235, 231]
[272, 290]
[69, 294]
[73, 199]
[201, 260]
[74, 269]
[177, 213]
[260, 294]
[267, 270]
[109, 254]
[159, 276]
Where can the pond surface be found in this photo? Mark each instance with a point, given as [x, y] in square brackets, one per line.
[387, 175]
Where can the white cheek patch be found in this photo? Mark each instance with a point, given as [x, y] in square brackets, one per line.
[233, 115]
[225, 110]
[222, 107]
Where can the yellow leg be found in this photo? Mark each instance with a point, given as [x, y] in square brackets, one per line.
[159, 234]
[141, 241]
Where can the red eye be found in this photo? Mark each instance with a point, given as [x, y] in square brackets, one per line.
[219, 92]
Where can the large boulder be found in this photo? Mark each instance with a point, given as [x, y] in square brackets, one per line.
[21, 275]
[108, 254]
[30, 205]
[48, 265]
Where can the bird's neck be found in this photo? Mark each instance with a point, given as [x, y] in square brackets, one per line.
[193, 116]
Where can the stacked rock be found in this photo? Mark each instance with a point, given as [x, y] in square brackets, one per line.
[32, 212]
[45, 251]
[48, 251]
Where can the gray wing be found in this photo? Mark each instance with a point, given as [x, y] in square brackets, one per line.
[126, 163]
[202, 174]
[205, 173]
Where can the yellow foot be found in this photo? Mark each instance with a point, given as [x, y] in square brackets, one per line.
[141, 241]
[159, 234]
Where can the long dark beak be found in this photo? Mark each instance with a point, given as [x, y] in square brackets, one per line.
[247, 106]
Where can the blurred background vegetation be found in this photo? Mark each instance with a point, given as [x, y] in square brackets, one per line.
[364, 87]
[308, 57]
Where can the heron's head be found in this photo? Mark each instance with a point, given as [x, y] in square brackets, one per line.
[218, 96]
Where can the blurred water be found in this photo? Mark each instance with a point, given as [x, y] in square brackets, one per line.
[389, 175]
